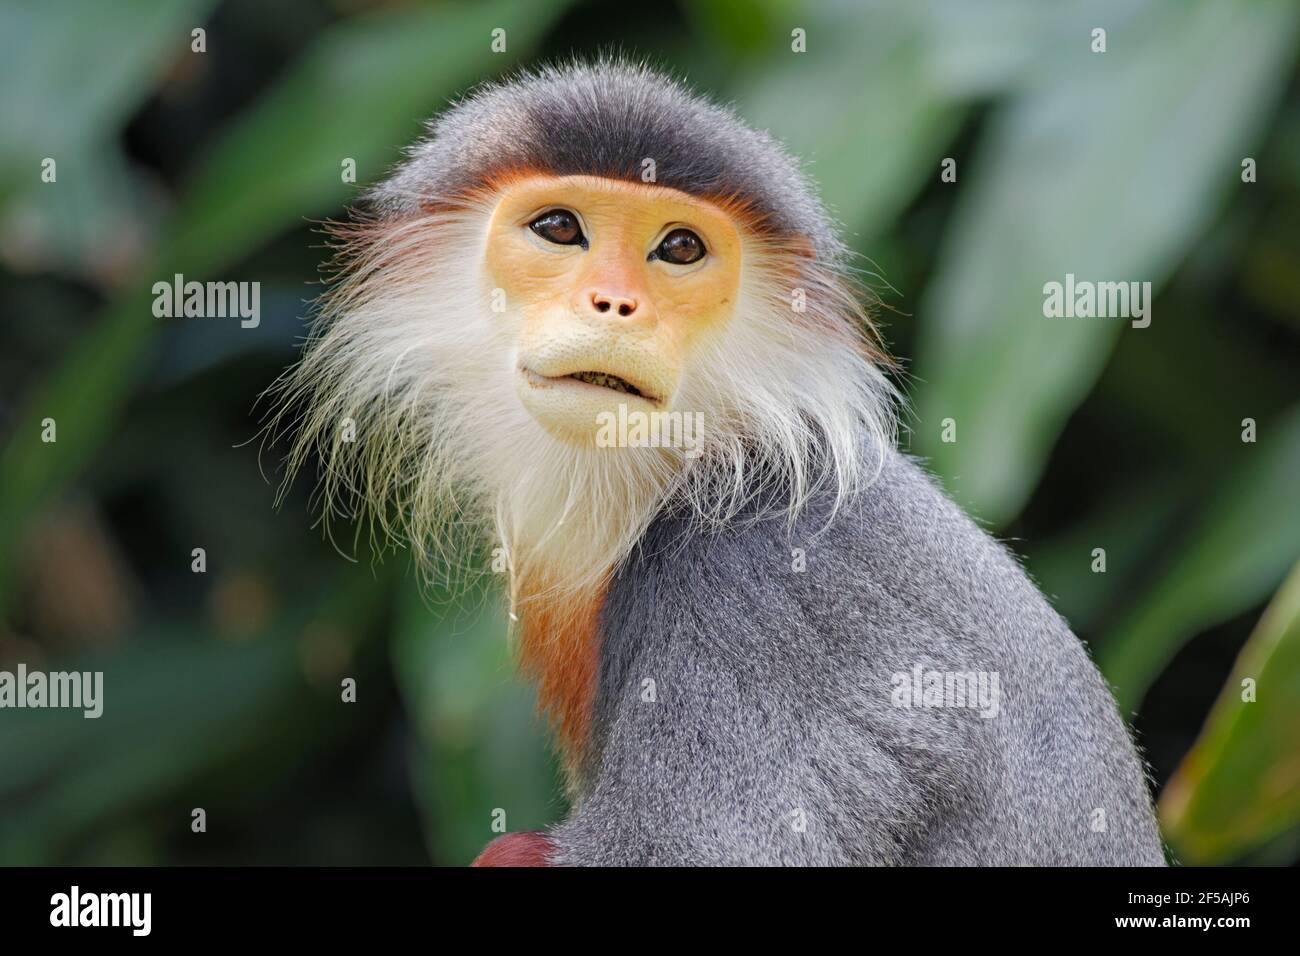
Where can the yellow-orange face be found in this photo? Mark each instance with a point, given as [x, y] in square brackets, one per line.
[614, 283]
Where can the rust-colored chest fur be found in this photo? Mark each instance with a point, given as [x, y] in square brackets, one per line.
[559, 648]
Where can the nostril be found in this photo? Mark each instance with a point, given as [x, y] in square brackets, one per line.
[613, 303]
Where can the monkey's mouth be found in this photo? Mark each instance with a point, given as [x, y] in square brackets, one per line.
[591, 379]
[605, 380]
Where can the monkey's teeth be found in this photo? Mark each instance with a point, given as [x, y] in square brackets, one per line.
[605, 381]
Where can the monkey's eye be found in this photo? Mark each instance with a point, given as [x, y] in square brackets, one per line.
[560, 227]
[680, 247]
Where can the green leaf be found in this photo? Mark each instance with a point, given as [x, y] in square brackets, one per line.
[1239, 786]
[1233, 557]
[480, 746]
[873, 143]
[361, 92]
[75, 71]
[1108, 168]
[92, 218]
[61, 773]
[1129, 528]
[745, 27]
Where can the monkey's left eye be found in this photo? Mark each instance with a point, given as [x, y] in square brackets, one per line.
[680, 247]
[560, 227]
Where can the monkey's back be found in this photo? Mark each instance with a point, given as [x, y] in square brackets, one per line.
[753, 702]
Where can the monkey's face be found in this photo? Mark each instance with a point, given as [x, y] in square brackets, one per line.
[614, 286]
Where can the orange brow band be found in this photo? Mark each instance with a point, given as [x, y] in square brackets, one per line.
[497, 180]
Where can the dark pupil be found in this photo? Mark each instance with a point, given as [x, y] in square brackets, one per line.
[681, 246]
[559, 226]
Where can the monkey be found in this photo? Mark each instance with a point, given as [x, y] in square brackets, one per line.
[767, 640]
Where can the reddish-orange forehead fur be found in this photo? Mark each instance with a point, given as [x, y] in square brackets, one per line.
[743, 213]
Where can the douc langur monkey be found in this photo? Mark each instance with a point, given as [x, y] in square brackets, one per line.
[599, 324]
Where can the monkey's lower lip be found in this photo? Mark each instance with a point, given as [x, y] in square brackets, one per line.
[606, 380]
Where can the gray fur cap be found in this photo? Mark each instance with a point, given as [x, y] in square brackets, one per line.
[605, 118]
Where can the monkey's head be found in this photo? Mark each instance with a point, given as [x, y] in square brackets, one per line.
[589, 295]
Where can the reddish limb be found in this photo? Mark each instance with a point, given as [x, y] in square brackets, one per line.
[528, 848]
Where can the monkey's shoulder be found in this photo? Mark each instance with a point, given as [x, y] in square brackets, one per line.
[780, 660]
[898, 567]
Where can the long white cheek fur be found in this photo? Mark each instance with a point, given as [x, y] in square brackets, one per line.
[410, 403]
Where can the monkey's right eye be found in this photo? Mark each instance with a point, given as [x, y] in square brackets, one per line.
[560, 227]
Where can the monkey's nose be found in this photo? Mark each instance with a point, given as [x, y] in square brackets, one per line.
[613, 303]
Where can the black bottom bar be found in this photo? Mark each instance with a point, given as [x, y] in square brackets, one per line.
[440, 906]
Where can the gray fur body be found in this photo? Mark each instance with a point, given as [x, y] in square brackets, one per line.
[773, 702]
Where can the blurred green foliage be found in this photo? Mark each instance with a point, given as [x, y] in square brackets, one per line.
[223, 688]
[1240, 785]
